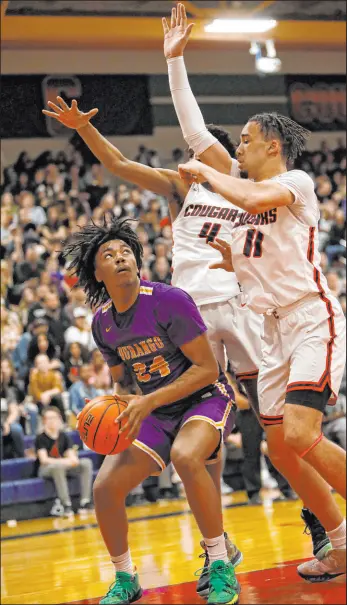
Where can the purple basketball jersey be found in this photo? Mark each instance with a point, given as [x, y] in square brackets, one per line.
[147, 337]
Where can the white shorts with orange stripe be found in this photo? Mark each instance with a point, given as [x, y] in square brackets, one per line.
[303, 349]
[235, 335]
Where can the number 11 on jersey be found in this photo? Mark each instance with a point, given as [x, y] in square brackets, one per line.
[253, 243]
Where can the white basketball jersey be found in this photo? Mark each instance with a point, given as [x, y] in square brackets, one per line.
[275, 254]
[204, 216]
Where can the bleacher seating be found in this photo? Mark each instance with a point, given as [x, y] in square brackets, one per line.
[19, 486]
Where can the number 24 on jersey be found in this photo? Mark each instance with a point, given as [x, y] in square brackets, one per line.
[144, 373]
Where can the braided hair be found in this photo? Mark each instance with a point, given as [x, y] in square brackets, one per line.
[292, 136]
[80, 249]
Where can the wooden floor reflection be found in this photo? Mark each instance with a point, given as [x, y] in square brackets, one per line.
[65, 561]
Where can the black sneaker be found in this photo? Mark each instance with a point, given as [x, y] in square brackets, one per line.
[320, 540]
[255, 500]
[235, 557]
[290, 494]
[169, 493]
[175, 492]
[68, 512]
[151, 493]
[286, 495]
[85, 507]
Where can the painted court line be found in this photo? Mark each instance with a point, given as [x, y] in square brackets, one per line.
[50, 532]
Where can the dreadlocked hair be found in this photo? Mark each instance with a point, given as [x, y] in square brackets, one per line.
[80, 249]
[223, 137]
[292, 136]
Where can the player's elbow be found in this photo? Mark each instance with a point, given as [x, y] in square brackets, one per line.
[118, 164]
[255, 204]
[211, 372]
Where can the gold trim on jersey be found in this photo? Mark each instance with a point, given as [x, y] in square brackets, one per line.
[156, 457]
[146, 290]
[217, 425]
[221, 388]
[143, 290]
[226, 413]
[106, 306]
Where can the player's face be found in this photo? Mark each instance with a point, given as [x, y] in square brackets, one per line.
[253, 151]
[115, 264]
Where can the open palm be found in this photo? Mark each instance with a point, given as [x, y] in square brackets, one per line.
[71, 117]
[177, 34]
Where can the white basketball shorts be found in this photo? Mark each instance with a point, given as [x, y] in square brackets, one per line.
[303, 350]
[235, 335]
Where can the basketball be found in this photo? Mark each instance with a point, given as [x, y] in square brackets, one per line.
[97, 426]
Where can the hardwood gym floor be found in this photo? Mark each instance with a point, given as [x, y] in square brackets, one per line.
[65, 561]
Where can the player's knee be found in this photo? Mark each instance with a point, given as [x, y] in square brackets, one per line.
[185, 461]
[299, 436]
[109, 488]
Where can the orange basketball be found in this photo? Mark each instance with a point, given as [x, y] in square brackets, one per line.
[97, 426]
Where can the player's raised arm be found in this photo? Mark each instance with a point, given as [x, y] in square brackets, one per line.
[160, 181]
[200, 140]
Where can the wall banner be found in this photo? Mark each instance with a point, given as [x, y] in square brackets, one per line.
[317, 102]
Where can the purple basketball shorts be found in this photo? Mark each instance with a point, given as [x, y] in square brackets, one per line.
[159, 430]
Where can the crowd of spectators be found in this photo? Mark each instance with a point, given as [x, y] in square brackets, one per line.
[48, 355]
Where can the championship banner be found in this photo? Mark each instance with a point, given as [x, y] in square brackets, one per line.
[317, 102]
[123, 103]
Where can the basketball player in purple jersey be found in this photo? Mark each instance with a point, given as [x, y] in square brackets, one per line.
[169, 184]
[186, 406]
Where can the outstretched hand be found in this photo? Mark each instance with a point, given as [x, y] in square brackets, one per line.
[71, 117]
[177, 34]
[224, 248]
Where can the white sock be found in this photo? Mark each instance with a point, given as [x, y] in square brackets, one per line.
[216, 548]
[124, 563]
[337, 536]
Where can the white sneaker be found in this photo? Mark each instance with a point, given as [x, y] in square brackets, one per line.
[225, 488]
[57, 509]
[175, 478]
[331, 566]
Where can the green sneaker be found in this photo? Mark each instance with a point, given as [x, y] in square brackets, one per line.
[224, 587]
[126, 589]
